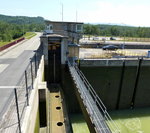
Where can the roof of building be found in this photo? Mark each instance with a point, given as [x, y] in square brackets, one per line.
[48, 21]
[54, 35]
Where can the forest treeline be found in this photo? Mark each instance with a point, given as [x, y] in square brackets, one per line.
[12, 27]
[116, 30]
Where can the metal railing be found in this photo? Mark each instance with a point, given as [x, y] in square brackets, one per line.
[95, 107]
[12, 119]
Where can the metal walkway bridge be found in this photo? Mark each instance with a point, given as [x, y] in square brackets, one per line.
[94, 106]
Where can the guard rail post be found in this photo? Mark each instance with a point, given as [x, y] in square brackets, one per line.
[26, 83]
[31, 73]
[17, 108]
[35, 60]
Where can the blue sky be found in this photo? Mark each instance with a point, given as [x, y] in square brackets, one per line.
[125, 12]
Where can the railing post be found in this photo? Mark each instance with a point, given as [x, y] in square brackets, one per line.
[17, 108]
[35, 60]
[31, 73]
[95, 98]
[92, 114]
[26, 82]
[105, 114]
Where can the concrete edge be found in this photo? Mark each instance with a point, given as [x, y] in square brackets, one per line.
[29, 120]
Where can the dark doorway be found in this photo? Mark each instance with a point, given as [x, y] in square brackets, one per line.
[54, 60]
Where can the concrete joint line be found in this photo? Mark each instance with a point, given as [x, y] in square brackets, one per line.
[9, 87]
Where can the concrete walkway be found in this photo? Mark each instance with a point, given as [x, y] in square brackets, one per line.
[13, 63]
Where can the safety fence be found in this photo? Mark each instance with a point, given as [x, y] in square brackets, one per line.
[12, 119]
[95, 107]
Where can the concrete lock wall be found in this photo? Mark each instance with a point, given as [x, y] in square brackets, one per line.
[29, 120]
[143, 90]
[69, 91]
[106, 79]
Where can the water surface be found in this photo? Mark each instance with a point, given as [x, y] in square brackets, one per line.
[132, 121]
[79, 124]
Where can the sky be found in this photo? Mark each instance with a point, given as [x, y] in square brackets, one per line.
[122, 12]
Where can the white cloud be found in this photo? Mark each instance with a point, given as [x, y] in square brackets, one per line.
[108, 12]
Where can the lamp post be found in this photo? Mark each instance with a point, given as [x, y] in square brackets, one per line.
[23, 25]
[123, 35]
[23, 28]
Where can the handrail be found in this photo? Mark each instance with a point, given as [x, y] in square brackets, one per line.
[94, 116]
[92, 90]
[103, 110]
[98, 100]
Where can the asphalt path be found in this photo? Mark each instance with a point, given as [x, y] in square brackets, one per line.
[97, 52]
[13, 63]
[117, 42]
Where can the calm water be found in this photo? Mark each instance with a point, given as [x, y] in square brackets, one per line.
[78, 124]
[129, 121]
[132, 121]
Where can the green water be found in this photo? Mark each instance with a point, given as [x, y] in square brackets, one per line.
[132, 121]
[128, 121]
[78, 124]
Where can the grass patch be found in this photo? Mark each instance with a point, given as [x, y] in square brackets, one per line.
[29, 35]
[3, 43]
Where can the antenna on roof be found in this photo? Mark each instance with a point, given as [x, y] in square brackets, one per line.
[76, 15]
[62, 12]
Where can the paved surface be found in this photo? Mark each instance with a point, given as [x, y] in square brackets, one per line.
[13, 63]
[113, 42]
[99, 53]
